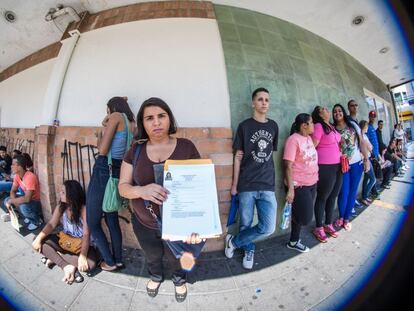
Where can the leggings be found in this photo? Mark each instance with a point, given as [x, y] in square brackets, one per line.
[154, 248]
[302, 209]
[329, 184]
[50, 249]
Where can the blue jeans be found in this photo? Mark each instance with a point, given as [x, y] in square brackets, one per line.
[94, 199]
[5, 186]
[368, 182]
[266, 206]
[31, 210]
[348, 193]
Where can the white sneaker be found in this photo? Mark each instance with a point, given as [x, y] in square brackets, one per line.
[26, 220]
[248, 260]
[32, 227]
[229, 249]
[5, 217]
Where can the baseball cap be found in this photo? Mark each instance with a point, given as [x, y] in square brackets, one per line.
[372, 114]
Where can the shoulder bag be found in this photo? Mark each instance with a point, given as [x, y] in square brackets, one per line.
[112, 201]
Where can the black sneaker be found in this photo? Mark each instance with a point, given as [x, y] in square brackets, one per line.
[298, 246]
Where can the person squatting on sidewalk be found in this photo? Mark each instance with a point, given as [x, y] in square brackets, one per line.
[27, 203]
[254, 178]
[301, 163]
[326, 140]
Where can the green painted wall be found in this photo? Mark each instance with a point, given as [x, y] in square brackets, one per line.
[300, 70]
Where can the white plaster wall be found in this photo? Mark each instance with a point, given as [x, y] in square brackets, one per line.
[21, 96]
[179, 60]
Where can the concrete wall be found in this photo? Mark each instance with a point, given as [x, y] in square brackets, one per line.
[300, 69]
[21, 96]
[141, 59]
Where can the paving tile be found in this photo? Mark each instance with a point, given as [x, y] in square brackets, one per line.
[25, 266]
[28, 301]
[11, 243]
[51, 290]
[245, 278]
[209, 276]
[98, 296]
[9, 287]
[224, 301]
[127, 277]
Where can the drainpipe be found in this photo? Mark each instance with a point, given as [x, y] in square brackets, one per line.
[57, 78]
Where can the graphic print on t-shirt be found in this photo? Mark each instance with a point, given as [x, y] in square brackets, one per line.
[262, 139]
[308, 153]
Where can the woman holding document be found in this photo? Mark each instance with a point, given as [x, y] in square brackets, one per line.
[155, 125]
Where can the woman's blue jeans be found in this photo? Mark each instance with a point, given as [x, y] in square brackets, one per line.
[348, 193]
[368, 183]
[94, 199]
[266, 206]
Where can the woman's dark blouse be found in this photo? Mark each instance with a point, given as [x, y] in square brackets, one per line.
[144, 173]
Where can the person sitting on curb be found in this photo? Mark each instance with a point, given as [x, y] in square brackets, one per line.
[29, 203]
[254, 178]
[71, 213]
[5, 163]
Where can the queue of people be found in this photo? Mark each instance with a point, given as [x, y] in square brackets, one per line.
[324, 159]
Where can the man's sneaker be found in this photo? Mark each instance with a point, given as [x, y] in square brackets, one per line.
[248, 260]
[329, 229]
[319, 233]
[5, 217]
[298, 246]
[32, 227]
[353, 212]
[26, 220]
[229, 249]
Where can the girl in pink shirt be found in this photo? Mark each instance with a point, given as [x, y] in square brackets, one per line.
[326, 140]
[301, 163]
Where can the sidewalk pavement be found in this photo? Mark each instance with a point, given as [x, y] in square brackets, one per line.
[282, 279]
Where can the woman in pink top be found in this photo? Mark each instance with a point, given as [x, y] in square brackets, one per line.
[326, 140]
[301, 162]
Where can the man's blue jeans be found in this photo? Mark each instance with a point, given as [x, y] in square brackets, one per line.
[31, 210]
[369, 182]
[5, 186]
[266, 206]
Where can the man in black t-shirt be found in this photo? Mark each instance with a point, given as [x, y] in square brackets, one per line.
[379, 134]
[254, 178]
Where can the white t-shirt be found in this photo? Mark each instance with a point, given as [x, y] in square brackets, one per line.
[356, 156]
[399, 134]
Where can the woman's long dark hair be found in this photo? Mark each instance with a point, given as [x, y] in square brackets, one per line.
[318, 119]
[347, 120]
[119, 104]
[299, 120]
[75, 197]
[157, 102]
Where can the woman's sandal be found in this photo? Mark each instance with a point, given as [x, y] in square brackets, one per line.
[78, 277]
[180, 297]
[152, 292]
[104, 266]
[47, 262]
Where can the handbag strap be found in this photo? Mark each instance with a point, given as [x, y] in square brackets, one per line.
[148, 204]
